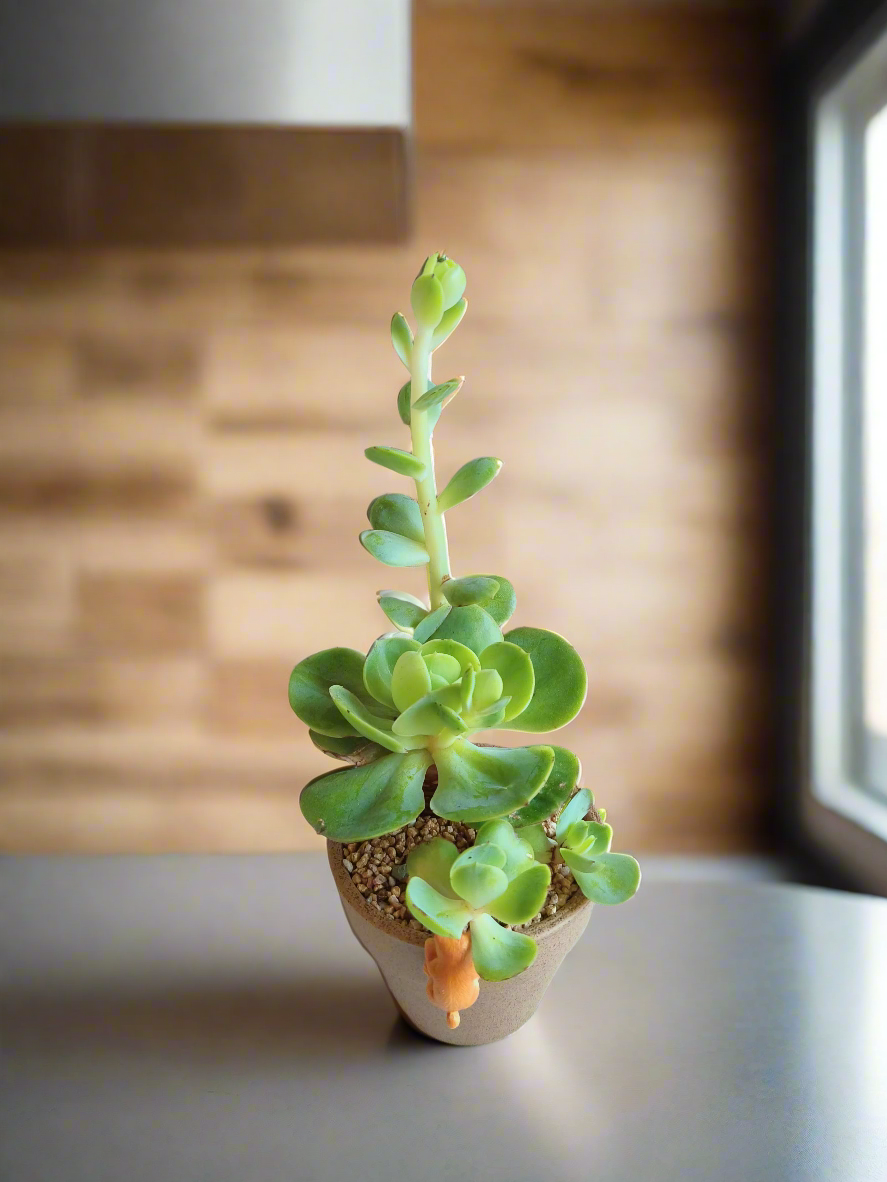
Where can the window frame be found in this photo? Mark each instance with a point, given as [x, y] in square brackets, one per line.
[828, 94]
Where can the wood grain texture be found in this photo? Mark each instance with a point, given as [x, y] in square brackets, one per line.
[181, 438]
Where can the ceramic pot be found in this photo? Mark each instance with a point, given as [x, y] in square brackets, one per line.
[399, 952]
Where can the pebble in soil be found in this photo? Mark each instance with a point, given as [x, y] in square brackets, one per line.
[377, 868]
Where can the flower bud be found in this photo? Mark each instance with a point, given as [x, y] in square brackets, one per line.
[452, 280]
[427, 299]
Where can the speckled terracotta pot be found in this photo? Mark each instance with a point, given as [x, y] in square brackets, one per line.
[399, 953]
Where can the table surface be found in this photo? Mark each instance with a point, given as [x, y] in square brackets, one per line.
[185, 1018]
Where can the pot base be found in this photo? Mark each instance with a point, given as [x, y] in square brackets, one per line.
[502, 1006]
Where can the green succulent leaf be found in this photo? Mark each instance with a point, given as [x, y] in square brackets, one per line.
[398, 514]
[487, 689]
[576, 834]
[392, 549]
[613, 878]
[472, 589]
[561, 682]
[575, 810]
[379, 666]
[489, 719]
[470, 479]
[353, 749]
[452, 648]
[471, 626]
[438, 396]
[402, 338]
[477, 875]
[452, 280]
[402, 609]
[404, 463]
[479, 783]
[538, 840]
[377, 729]
[599, 838]
[432, 861]
[357, 803]
[561, 781]
[426, 297]
[466, 690]
[497, 952]
[404, 398]
[518, 852]
[440, 914]
[428, 717]
[309, 689]
[431, 623]
[501, 606]
[516, 670]
[525, 896]
[448, 322]
[410, 680]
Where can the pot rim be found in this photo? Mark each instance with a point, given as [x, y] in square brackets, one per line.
[407, 935]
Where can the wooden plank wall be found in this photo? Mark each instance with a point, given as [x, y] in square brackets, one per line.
[181, 479]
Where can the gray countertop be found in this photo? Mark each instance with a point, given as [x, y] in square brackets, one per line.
[191, 1018]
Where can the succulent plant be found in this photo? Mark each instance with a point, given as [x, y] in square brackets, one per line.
[584, 845]
[494, 882]
[448, 671]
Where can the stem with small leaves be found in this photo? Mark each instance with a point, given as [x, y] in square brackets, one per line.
[421, 428]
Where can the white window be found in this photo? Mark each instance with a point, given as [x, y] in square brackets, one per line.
[847, 639]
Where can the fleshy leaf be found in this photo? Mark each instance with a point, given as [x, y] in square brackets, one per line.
[402, 338]
[479, 783]
[432, 861]
[392, 549]
[426, 297]
[428, 717]
[404, 463]
[518, 852]
[501, 606]
[471, 626]
[404, 398]
[472, 589]
[309, 688]
[410, 680]
[598, 840]
[444, 666]
[487, 689]
[489, 719]
[556, 789]
[538, 839]
[402, 609]
[363, 720]
[379, 666]
[497, 952]
[448, 322]
[561, 682]
[525, 896]
[438, 396]
[466, 690]
[452, 648]
[477, 875]
[431, 623]
[575, 810]
[576, 834]
[516, 670]
[470, 479]
[357, 803]
[613, 879]
[398, 514]
[354, 749]
[441, 915]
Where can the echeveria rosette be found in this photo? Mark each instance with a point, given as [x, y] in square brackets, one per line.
[602, 876]
[497, 881]
[411, 696]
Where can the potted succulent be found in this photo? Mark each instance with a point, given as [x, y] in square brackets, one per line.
[467, 870]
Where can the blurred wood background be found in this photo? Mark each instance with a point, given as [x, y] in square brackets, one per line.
[181, 435]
